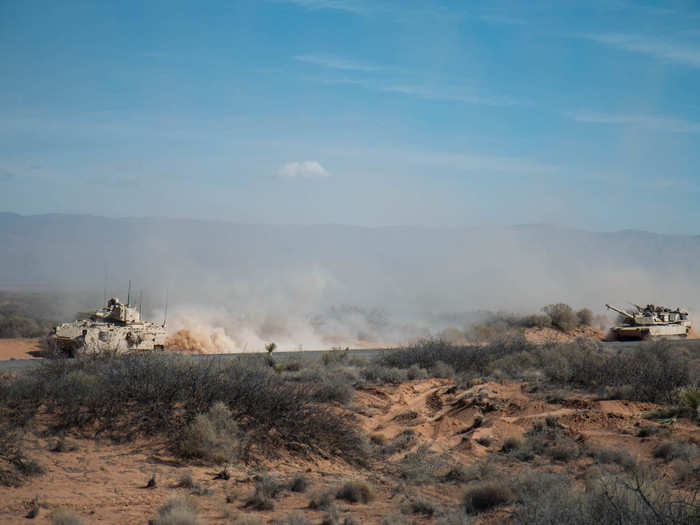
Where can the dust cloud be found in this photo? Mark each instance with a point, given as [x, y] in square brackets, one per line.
[236, 288]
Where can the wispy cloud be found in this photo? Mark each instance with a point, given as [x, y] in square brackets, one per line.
[337, 63]
[659, 49]
[308, 169]
[449, 94]
[432, 92]
[356, 7]
[644, 121]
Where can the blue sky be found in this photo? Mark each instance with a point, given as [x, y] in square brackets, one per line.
[583, 114]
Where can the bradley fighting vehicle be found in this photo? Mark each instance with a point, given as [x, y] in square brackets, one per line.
[116, 327]
[651, 321]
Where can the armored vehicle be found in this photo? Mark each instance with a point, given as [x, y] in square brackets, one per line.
[651, 321]
[116, 327]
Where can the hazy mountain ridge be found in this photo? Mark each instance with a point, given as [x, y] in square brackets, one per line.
[294, 279]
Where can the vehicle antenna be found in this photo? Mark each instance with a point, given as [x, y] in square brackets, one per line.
[128, 295]
[165, 317]
[104, 286]
[140, 303]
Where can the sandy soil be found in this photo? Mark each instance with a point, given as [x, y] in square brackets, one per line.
[550, 335]
[20, 349]
[105, 482]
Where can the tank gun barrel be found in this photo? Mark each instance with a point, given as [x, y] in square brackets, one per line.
[619, 311]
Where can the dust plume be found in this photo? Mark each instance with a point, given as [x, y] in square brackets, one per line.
[237, 287]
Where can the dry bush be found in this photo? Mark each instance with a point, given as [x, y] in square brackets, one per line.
[453, 517]
[65, 516]
[152, 393]
[421, 466]
[323, 500]
[398, 443]
[376, 373]
[548, 439]
[419, 505]
[296, 518]
[355, 492]
[616, 456]
[211, 437]
[266, 490]
[486, 495]
[633, 499]
[299, 483]
[246, 519]
[178, 510]
[562, 316]
[673, 449]
[442, 369]
[15, 466]
[511, 444]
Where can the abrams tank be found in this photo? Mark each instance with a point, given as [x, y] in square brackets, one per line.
[115, 328]
[651, 322]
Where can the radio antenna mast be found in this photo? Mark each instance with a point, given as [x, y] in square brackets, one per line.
[128, 295]
[165, 317]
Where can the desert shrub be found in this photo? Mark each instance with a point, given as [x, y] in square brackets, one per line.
[15, 466]
[355, 492]
[296, 518]
[562, 316]
[66, 516]
[687, 399]
[416, 372]
[399, 443]
[136, 394]
[510, 444]
[335, 357]
[421, 466]
[633, 499]
[186, 481]
[419, 505]
[669, 450]
[442, 369]
[299, 483]
[536, 321]
[616, 456]
[178, 510]
[246, 519]
[323, 500]
[211, 436]
[266, 490]
[377, 373]
[548, 439]
[463, 359]
[453, 517]
[584, 317]
[486, 495]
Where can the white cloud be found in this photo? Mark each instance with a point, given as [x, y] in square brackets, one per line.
[644, 121]
[659, 49]
[336, 63]
[307, 169]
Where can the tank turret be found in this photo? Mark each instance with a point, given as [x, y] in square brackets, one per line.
[116, 327]
[651, 321]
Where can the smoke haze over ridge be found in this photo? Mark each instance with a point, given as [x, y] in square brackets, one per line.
[332, 285]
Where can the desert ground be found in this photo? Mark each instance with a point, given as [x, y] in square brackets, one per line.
[429, 444]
